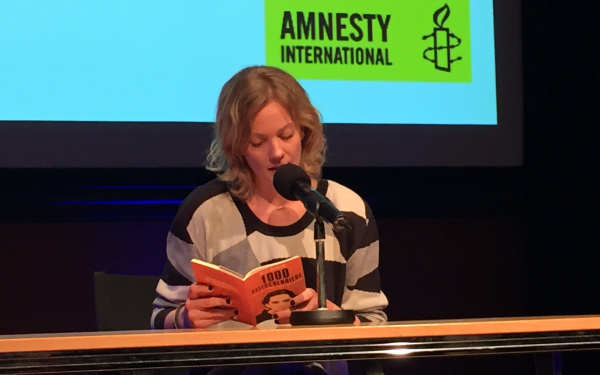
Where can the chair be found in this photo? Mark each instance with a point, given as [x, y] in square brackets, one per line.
[123, 302]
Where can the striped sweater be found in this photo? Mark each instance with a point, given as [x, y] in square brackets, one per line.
[214, 226]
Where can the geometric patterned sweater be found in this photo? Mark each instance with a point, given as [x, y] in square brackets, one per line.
[216, 227]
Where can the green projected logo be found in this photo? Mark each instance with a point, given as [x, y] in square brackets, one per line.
[424, 41]
[442, 45]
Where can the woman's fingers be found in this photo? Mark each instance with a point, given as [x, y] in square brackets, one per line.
[208, 303]
[198, 290]
[305, 301]
[203, 308]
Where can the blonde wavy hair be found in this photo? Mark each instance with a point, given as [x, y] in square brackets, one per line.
[241, 98]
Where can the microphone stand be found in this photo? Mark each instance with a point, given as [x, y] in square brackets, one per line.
[321, 315]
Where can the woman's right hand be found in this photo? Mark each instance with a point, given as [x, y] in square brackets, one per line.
[203, 308]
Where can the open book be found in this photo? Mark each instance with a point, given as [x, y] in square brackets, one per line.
[261, 292]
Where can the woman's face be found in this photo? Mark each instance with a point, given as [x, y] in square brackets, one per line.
[274, 140]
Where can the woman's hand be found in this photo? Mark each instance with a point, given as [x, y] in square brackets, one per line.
[305, 301]
[203, 308]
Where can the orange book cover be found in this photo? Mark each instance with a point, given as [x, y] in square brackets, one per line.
[261, 292]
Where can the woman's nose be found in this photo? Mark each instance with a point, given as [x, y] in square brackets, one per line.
[275, 150]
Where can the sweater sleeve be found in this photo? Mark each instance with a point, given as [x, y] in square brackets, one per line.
[185, 241]
[175, 280]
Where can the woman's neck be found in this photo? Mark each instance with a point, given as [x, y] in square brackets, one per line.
[269, 195]
[273, 209]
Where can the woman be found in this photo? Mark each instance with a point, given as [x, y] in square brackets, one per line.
[265, 120]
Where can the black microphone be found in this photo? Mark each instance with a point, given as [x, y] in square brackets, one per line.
[293, 183]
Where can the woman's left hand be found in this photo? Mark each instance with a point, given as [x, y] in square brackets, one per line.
[305, 301]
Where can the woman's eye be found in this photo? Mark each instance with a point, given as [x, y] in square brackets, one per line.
[255, 144]
[285, 137]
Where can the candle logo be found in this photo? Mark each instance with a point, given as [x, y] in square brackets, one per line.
[443, 41]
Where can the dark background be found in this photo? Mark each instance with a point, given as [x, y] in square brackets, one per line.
[455, 242]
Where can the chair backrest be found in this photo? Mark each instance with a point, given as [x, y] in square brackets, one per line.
[123, 302]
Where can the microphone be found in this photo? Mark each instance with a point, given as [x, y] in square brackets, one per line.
[293, 183]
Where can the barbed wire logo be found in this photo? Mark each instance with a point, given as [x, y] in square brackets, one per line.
[442, 42]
